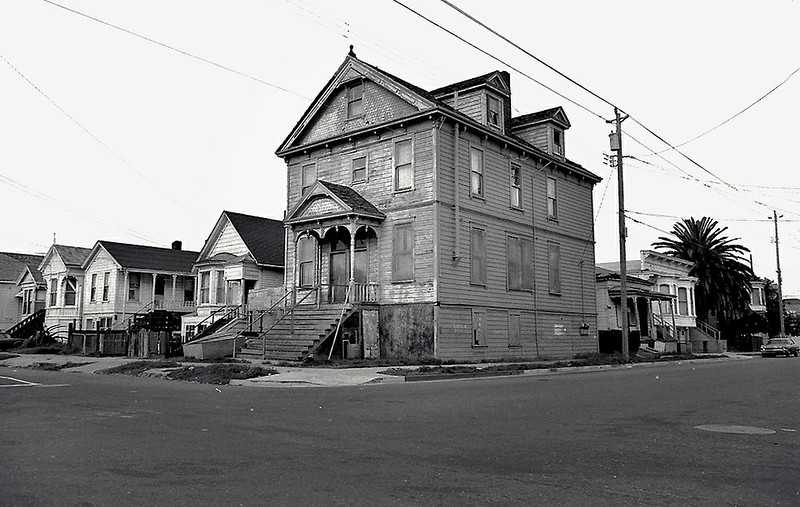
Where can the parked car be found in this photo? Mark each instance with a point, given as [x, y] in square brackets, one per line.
[780, 347]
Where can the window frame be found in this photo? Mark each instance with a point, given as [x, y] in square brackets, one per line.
[481, 250]
[552, 198]
[70, 292]
[515, 339]
[134, 290]
[93, 289]
[515, 188]
[522, 281]
[351, 101]
[302, 263]
[481, 193]
[558, 140]
[397, 274]
[219, 288]
[106, 281]
[554, 278]
[478, 317]
[305, 185]
[683, 305]
[204, 294]
[53, 292]
[498, 113]
[353, 169]
[396, 167]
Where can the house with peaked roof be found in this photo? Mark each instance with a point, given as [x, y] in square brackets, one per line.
[19, 301]
[62, 270]
[125, 281]
[432, 224]
[240, 265]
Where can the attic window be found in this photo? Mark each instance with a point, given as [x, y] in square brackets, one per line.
[492, 111]
[355, 100]
[558, 141]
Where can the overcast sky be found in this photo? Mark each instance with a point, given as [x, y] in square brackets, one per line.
[110, 136]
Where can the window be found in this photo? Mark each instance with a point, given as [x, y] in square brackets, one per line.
[27, 301]
[478, 256]
[756, 298]
[188, 289]
[519, 259]
[554, 265]
[478, 328]
[360, 169]
[308, 177]
[189, 331]
[104, 322]
[106, 277]
[552, 198]
[492, 111]
[476, 171]
[403, 167]
[93, 290]
[558, 141]
[133, 286]
[403, 252]
[205, 280]
[683, 301]
[89, 323]
[514, 330]
[53, 292]
[516, 186]
[355, 100]
[306, 251]
[70, 289]
[664, 289]
[160, 281]
[220, 295]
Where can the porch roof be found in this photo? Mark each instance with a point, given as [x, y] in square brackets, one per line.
[614, 294]
[347, 202]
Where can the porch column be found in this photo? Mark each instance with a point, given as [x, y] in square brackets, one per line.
[352, 282]
[637, 317]
[174, 282]
[124, 292]
[153, 292]
[692, 310]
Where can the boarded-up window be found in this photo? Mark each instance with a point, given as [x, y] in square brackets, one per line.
[308, 176]
[306, 252]
[220, 292]
[205, 282]
[403, 168]
[683, 301]
[478, 328]
[492, 111]
[519, 256]
[70, 289]
[106, 277]
[93, 290]
[516, 186]
[478, 256]
[360, 169]
[355, 100]
[514, 330]
[554, 267]
[403, 252]
[552, 198]
[476, 171]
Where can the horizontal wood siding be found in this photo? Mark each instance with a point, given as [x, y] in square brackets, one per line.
[537, 135]
[472, 104]
[380, 105]
[101, 264]
[268, 277]
[228, 241]
[9, 305]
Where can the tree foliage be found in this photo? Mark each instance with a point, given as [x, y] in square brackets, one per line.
[722, 271]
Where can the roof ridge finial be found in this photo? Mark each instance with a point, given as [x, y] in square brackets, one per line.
[351, 53]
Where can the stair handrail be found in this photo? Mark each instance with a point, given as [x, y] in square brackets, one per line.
[708, 329]
[38, 314]
[227, 311]
[660, 322]
[290, 311]
[144, 310]
[339, 323]
[260, 318]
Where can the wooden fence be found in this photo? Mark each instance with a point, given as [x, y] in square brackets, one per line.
[106, 342]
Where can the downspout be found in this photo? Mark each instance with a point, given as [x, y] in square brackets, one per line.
[457, 183]
[437, 125]
[533, 259]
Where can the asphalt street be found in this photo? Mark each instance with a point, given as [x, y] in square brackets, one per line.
[637, 436]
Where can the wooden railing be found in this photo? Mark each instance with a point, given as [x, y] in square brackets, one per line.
[208, 325]
[357, 293]
[27, 326]
[708, 329]
[290, 296]
[664, 326]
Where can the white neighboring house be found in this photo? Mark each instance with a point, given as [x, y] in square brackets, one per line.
[124, 280]
[241, 265]
[676, 318]
[19, 300]
[758, 295]
[62, 271]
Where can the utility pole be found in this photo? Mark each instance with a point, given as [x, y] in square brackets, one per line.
[780, 278]
[616, 145]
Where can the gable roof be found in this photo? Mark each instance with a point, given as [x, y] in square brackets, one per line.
[426, 102]
[149, 258]
[71, 256]
[33, 270]
[554, 114]
[263, 237]
[496, 79]
[350, 202]
[12, 264]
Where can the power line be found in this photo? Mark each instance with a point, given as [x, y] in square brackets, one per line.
[795, 71]
[91, 134]
[490, 55]
[177, 50]
[658, 215]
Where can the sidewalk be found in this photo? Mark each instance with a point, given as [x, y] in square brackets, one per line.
[293, 376]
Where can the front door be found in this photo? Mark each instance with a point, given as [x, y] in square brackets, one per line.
[339, 276]
[234, 292]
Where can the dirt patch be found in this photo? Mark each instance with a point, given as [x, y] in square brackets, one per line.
[215, 373]
[55, 366]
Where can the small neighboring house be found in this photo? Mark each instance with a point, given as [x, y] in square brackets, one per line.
[758, 295]
[125, 281]
[62, 271]
[674, 316]
[240, 265]
[435, 223]
[18, 301]
[791, 305]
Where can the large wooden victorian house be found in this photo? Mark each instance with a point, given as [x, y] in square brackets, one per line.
[452, 229]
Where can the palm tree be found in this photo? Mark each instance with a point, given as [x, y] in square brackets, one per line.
[723, 274]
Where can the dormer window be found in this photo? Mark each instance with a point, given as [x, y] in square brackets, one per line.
[355, 100]
[492, 111]
[558, 141]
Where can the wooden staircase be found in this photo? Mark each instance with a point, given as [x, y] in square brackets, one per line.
[297, 335]
[28, 326]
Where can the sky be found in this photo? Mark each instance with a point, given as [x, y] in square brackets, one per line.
[145, 131]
